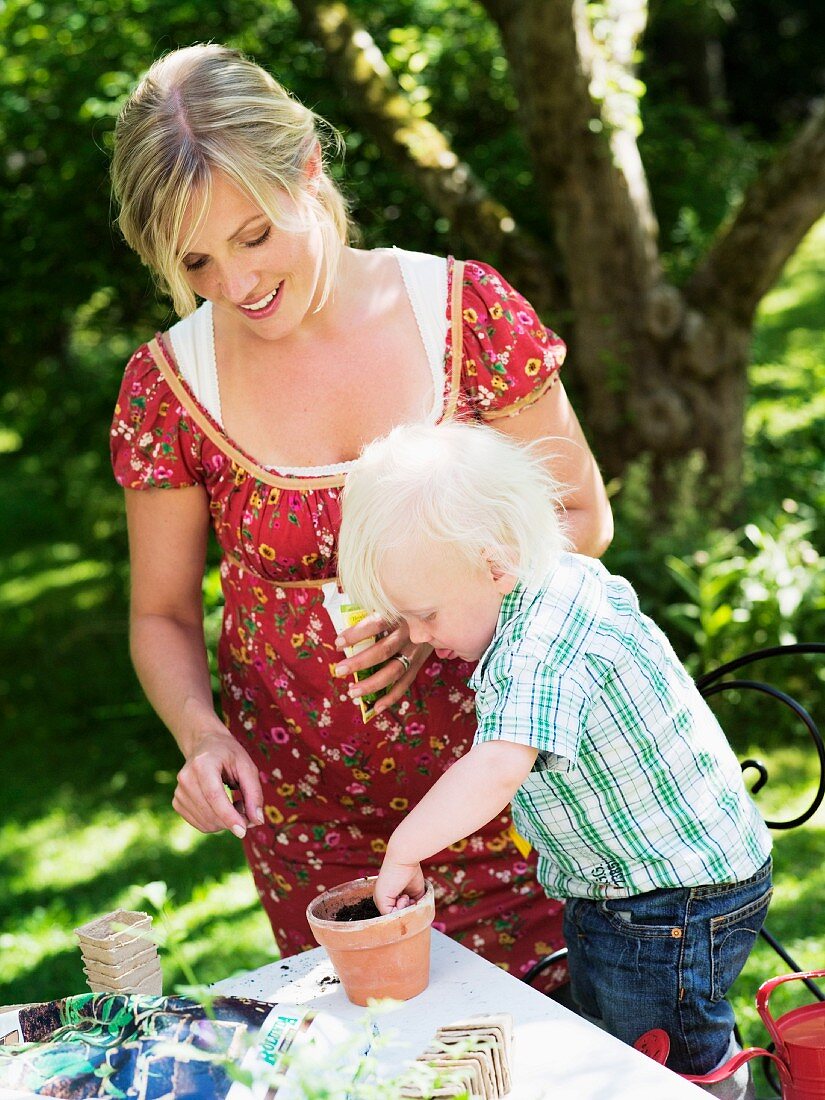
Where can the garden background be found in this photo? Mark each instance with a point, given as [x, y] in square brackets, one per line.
[724, 546]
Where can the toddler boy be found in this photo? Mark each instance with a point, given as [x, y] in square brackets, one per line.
[618, 773]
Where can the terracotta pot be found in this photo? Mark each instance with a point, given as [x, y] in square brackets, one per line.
[386, 956]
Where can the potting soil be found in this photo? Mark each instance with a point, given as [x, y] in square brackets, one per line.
[365, 909]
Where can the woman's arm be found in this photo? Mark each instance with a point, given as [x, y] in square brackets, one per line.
[168, 531]
[468, 795]
[589, 519]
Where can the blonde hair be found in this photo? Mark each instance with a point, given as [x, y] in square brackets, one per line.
[461, 484]
[203, 109]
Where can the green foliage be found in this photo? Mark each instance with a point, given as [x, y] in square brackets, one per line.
[773, 55]
[727, 592]
[763, 585]
[450, 56]
[66, 67]
[698, 168]
[756, 63]
[725, 79]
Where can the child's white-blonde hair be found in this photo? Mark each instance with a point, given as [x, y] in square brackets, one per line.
[461, 484]
[203, 109]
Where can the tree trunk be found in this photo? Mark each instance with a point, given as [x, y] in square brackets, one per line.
[661, 371]
[632, 335]
[658, 371]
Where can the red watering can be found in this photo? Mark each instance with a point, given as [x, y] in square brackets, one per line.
[799, 1038]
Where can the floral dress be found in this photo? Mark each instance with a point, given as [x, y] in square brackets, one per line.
[335, 788]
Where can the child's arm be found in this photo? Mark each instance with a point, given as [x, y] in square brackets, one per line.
[472, 792]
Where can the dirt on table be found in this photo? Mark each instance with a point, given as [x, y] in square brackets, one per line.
[365, 909]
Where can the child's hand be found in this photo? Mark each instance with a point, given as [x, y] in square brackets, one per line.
[398, 885]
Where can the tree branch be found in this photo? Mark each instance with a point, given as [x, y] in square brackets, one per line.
[423, 152]
[780, 207]
[577, 97]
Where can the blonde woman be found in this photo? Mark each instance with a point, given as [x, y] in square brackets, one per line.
[245, 417]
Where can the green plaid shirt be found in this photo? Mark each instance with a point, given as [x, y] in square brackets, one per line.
[635, 786]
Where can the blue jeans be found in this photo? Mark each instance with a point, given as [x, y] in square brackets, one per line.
[666, 959]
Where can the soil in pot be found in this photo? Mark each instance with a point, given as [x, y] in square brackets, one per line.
[366, 909]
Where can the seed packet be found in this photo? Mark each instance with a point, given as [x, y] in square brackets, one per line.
[345, 614]
[523, 847]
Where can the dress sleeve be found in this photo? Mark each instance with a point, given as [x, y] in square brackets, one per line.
[154, 444]
[509, 358]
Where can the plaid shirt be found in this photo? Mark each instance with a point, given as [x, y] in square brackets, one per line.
[634, 787]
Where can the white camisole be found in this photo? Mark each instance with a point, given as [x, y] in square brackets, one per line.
[425, 280]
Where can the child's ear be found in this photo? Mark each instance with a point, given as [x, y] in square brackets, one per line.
[503, 581]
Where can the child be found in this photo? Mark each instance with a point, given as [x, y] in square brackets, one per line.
[618, 773]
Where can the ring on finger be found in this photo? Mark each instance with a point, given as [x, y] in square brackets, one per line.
[405, 661]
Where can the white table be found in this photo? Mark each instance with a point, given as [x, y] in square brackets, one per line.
[556, 1053]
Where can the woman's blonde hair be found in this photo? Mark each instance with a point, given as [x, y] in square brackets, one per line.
[459, 484]
[203, 109]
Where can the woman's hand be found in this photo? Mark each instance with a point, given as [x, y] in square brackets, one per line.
[398, 885]
[401, 659]
[218, 761]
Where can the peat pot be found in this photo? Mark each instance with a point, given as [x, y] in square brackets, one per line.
[383, 956]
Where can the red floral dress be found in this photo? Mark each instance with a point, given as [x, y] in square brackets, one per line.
[334, 788]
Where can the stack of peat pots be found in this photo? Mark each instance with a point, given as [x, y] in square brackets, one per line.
[119, 954]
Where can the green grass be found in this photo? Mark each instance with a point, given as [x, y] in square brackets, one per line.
[88, 777]
[86, 821]
[787, 401]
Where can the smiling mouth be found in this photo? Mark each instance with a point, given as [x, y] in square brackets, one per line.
[263, 304]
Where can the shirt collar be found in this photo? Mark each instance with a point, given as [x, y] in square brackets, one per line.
[513, 604]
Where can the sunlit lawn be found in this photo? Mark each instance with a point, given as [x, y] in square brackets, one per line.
[88, 772]
[787, 408]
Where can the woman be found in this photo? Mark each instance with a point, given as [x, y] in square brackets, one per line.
[250, 409]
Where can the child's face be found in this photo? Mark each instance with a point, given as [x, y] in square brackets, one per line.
[446, 602]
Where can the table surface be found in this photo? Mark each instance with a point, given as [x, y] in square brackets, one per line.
[555, 1053]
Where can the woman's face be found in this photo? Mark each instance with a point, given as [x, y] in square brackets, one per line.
[263, 280]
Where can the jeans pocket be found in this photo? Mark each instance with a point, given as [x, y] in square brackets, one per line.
[732, 936]
[643, 919]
